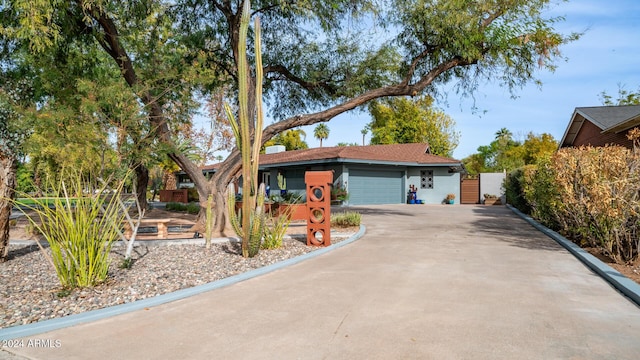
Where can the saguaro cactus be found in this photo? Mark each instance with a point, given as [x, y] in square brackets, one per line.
[249, 224]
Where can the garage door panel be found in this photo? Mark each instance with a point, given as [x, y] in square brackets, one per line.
[368, 187]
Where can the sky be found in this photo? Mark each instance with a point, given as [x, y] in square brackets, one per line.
[606, 56]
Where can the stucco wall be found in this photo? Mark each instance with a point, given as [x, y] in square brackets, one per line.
[444, 183]
[491, 183]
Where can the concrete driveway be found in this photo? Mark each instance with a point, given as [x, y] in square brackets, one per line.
[425, 282]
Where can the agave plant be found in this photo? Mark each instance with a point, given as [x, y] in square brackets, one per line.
[251, 238]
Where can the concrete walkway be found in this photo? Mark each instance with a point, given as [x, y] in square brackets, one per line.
[425, 282]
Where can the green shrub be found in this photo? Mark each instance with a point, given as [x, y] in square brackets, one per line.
[27, 201]
[345, 219]
[590, 195]
[172, 206]
[24, 179]
[598, 189]
[294, 198]
[542, 193]
[126, 263]
[80, 233]
[193, 208]
[192, 195]
[514, 187]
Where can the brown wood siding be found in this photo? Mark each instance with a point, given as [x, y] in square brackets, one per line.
[591, 135]
[470, 191]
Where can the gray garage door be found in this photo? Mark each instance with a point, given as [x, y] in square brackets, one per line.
[368, 187]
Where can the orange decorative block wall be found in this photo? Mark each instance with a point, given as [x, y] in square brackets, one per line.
[319, 207]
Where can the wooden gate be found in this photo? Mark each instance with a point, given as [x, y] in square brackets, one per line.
[470, 189]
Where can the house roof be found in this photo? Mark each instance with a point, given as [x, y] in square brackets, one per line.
[610, 119]
[211, 167]
[395, 154]
[406, 154]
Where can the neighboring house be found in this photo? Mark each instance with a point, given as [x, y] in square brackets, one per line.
[601, 125]
[374, 174]
[185, 182]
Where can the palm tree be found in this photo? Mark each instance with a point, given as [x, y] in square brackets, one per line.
[321, 132]
[504, 133]
[170, 168]
[364, 133]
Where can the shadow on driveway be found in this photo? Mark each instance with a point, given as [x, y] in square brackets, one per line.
[505, 226]
[377, 210]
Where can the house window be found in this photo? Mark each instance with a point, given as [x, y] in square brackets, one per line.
[426, 179]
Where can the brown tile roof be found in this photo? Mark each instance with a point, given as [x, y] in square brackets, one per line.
[211, 167]
[395, 153]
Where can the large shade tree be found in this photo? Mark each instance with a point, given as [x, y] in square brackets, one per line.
[310, 76]
[507, 154]
[291, 140]
[403, 121]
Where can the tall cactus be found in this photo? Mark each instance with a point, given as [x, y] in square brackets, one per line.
[208, 229]
[257, 221]
[251, 223]
[282, 182]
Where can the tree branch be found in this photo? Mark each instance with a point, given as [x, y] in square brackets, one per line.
[414, 64]
[265, 9]
[491, 18]
[311, 86]
[111, 44]
[401, 89]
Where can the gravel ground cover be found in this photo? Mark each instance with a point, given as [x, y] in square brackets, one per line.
[30, 291]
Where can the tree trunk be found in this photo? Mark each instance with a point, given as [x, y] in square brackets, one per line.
[142, 181]
[216, 186]
[8, 170]
[37, 181]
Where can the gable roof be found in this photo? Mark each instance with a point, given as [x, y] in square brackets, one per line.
[406, 154]
[610, 119]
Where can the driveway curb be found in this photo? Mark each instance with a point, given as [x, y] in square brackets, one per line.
[622, 283]
[89, 316]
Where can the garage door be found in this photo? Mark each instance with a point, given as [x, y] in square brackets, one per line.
[368, 187]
